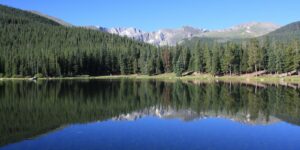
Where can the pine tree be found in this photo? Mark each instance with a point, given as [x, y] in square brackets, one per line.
[244, 61]
[296, 58]
[228, 58]
[288, 59]
[215, 65]
[179, 67]
[265, 51]
[198, 58]
[279, 59]
[271, 61]
[255, 55]
[166, 59]
[208, 59]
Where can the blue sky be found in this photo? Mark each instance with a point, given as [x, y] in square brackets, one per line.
[151, 15]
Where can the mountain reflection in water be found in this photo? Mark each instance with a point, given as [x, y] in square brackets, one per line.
[29, 109]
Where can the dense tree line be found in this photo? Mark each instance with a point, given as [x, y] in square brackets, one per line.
[239, 56]
[30, 45]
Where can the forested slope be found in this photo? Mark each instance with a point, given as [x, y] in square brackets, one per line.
[30, 44]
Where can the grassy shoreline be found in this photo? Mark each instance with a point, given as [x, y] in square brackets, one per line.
[171, 76]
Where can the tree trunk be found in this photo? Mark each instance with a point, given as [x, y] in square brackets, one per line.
[255, 70]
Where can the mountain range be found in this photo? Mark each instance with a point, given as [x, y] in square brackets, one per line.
[172, 37]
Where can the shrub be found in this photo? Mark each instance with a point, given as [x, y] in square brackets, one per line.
[83, 76]
[38, 75]
[17, 76]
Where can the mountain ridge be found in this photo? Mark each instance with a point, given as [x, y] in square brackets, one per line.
[172, 37]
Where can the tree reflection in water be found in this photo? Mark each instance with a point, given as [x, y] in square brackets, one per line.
[28, 109]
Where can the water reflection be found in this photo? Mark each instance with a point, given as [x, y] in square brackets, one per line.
[30, 109]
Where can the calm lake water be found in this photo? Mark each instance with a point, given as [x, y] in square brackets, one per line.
[125, 114]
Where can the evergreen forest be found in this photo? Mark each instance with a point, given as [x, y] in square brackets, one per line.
[33, 45]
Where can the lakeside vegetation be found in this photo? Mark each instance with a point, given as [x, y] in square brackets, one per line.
[31, 45]
[267, 79]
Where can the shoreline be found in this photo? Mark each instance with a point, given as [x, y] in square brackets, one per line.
[171, 76]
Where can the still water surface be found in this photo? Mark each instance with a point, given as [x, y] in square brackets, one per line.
[126, 114]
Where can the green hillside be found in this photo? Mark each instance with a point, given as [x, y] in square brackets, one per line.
[10, 15]
[292, 27]
[31, 44]
[286, 33]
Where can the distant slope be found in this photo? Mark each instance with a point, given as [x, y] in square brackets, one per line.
[285, 33]
[10, 15]
[295, 26]
[247, 30]
[59, 21]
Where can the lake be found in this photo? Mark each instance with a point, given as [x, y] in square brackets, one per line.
[147, 114]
